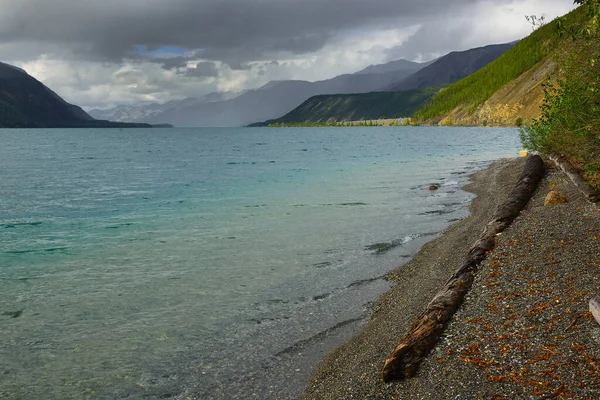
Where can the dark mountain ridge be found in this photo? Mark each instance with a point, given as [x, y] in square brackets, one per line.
[27, 103]
[392, 66]
[452, 67]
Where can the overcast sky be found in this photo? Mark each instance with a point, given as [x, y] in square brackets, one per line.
[99, 53]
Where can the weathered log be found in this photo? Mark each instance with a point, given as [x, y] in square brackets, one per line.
[569, 170]
[429, 325]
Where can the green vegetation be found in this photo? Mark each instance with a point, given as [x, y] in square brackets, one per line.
[335, 110]
[478, 87]
[331, 124]
[570, 121]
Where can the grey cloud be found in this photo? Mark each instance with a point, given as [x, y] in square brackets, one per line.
[128, 76]
[431, 40]
[203, 70]
[439, 34]
[110, 29]
[173, 62]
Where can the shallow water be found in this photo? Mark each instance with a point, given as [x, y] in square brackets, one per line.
[210, 263]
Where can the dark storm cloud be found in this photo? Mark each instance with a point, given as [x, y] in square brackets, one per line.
[173, 62]
[233, 31]
[432, 39]
[203, 70]
[98, 53]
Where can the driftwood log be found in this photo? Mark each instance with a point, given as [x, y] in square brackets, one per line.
[564, 164]
[429, 325]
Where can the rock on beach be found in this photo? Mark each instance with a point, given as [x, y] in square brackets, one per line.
[595, 307]
[555, 197]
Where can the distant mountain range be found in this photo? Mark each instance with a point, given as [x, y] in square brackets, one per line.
[279, 98]
[400, 99]
[142, 111]
[392, 66]
[270, 101]
[27, 103]
[391, 90]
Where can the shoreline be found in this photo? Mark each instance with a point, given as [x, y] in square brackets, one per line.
[352, 369]
[524, 329]
[296, 363]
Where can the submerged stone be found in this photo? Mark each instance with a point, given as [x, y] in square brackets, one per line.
[13, 314]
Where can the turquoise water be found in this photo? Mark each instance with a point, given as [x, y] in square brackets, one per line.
[209, 263]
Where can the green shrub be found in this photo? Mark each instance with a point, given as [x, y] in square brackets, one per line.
[570, 121]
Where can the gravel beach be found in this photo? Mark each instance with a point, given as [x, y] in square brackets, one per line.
[524, 330]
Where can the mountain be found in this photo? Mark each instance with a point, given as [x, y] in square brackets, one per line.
[397, 65]
[356, 107]
[509, 90]
[27, 103]
[452, 67]
[416, 89]
[139, 112]
[276, 98]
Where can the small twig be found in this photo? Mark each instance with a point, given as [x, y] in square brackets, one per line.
[556, 393]
[572, 324]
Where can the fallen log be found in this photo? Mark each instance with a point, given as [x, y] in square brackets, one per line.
[569, 170]
[429, 325]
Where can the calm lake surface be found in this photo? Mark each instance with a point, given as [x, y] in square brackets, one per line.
[209, 263]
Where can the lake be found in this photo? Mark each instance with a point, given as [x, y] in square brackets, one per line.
[210, 263]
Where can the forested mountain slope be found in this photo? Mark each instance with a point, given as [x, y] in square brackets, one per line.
[356, 107]
[507, 89]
